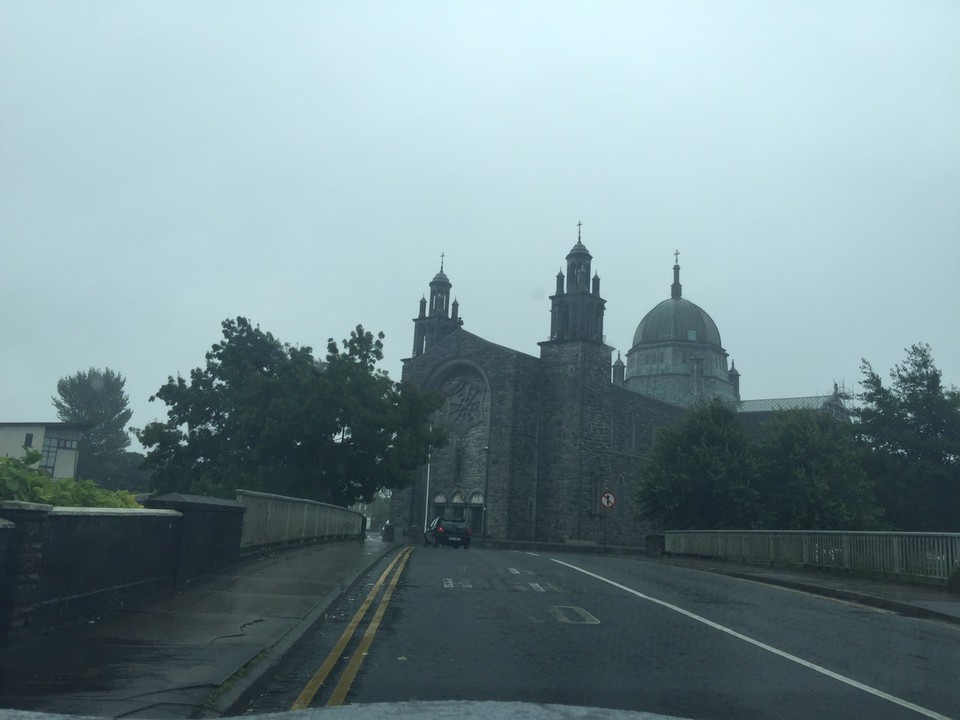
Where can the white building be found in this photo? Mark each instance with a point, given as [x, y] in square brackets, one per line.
[56, 442]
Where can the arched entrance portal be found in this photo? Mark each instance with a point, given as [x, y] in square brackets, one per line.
[458, 470]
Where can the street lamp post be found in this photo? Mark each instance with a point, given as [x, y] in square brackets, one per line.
[486, 492]
[426, 493]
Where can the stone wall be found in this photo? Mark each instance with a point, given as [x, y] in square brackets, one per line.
[211, 532]
[559, 434]
[62, 564]
[489, 416]
[634, 422]
[594, 438]
[573, 435]
[68, 563]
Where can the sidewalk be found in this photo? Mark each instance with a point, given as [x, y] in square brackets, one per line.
[923, 601]
[179, 654]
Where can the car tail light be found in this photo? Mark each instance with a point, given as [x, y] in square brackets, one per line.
[440, 529]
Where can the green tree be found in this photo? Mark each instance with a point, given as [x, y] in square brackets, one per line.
[812, 474]
[701, 473]
[96, 398]
[263, 415]
[911, 432]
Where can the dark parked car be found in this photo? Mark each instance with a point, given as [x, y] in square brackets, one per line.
[448, 531]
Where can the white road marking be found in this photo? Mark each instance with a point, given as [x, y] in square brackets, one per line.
[559, 615]
[448, 582]
[534, 554]
[552, 588]
[763, 646]
[465, 584]
[537, 587]
[514, 571]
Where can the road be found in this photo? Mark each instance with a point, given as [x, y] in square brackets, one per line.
[615, 632]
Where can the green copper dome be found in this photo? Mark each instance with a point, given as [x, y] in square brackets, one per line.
[677, 320]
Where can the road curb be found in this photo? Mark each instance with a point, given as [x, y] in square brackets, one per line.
[231, 697]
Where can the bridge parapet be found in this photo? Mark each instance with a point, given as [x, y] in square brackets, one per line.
[61, 564]
[278, 520]
[923, 557]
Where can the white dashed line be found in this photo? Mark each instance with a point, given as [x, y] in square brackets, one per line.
[513, 571]
[448, 582]
[537, 587]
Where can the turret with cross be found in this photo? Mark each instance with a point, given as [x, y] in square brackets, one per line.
[577, 308]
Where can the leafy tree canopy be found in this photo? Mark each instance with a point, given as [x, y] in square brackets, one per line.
[802, 471]
[911, 431]
[97, 398]
[701, 473]
[812, 475]
[263, 415]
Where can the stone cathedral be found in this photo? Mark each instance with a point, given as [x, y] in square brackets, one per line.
[549, 448]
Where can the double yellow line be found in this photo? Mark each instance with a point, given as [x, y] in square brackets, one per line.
[339, 693]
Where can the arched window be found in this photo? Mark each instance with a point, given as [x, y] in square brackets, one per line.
[476, 498]
[457, 498]
[439, 499]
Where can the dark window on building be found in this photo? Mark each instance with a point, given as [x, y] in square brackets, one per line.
[28, 440]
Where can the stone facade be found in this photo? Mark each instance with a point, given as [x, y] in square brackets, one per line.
[539, 446]
[533, 443]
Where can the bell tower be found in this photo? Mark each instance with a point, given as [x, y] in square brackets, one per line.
[576, 310]
[439, 317]
[574, 429]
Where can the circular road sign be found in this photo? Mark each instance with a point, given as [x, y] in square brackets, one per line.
[608, 500]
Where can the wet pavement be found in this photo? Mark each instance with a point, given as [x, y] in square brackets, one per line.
[187, 653]
[201, 650]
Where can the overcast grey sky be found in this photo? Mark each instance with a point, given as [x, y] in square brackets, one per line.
[164, 166]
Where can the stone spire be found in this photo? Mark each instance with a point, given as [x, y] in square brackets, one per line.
[676, 288]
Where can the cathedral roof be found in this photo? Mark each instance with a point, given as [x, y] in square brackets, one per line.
[816, 402]
[677, 320]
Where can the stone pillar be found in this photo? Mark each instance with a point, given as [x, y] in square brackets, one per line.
[20, 566]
